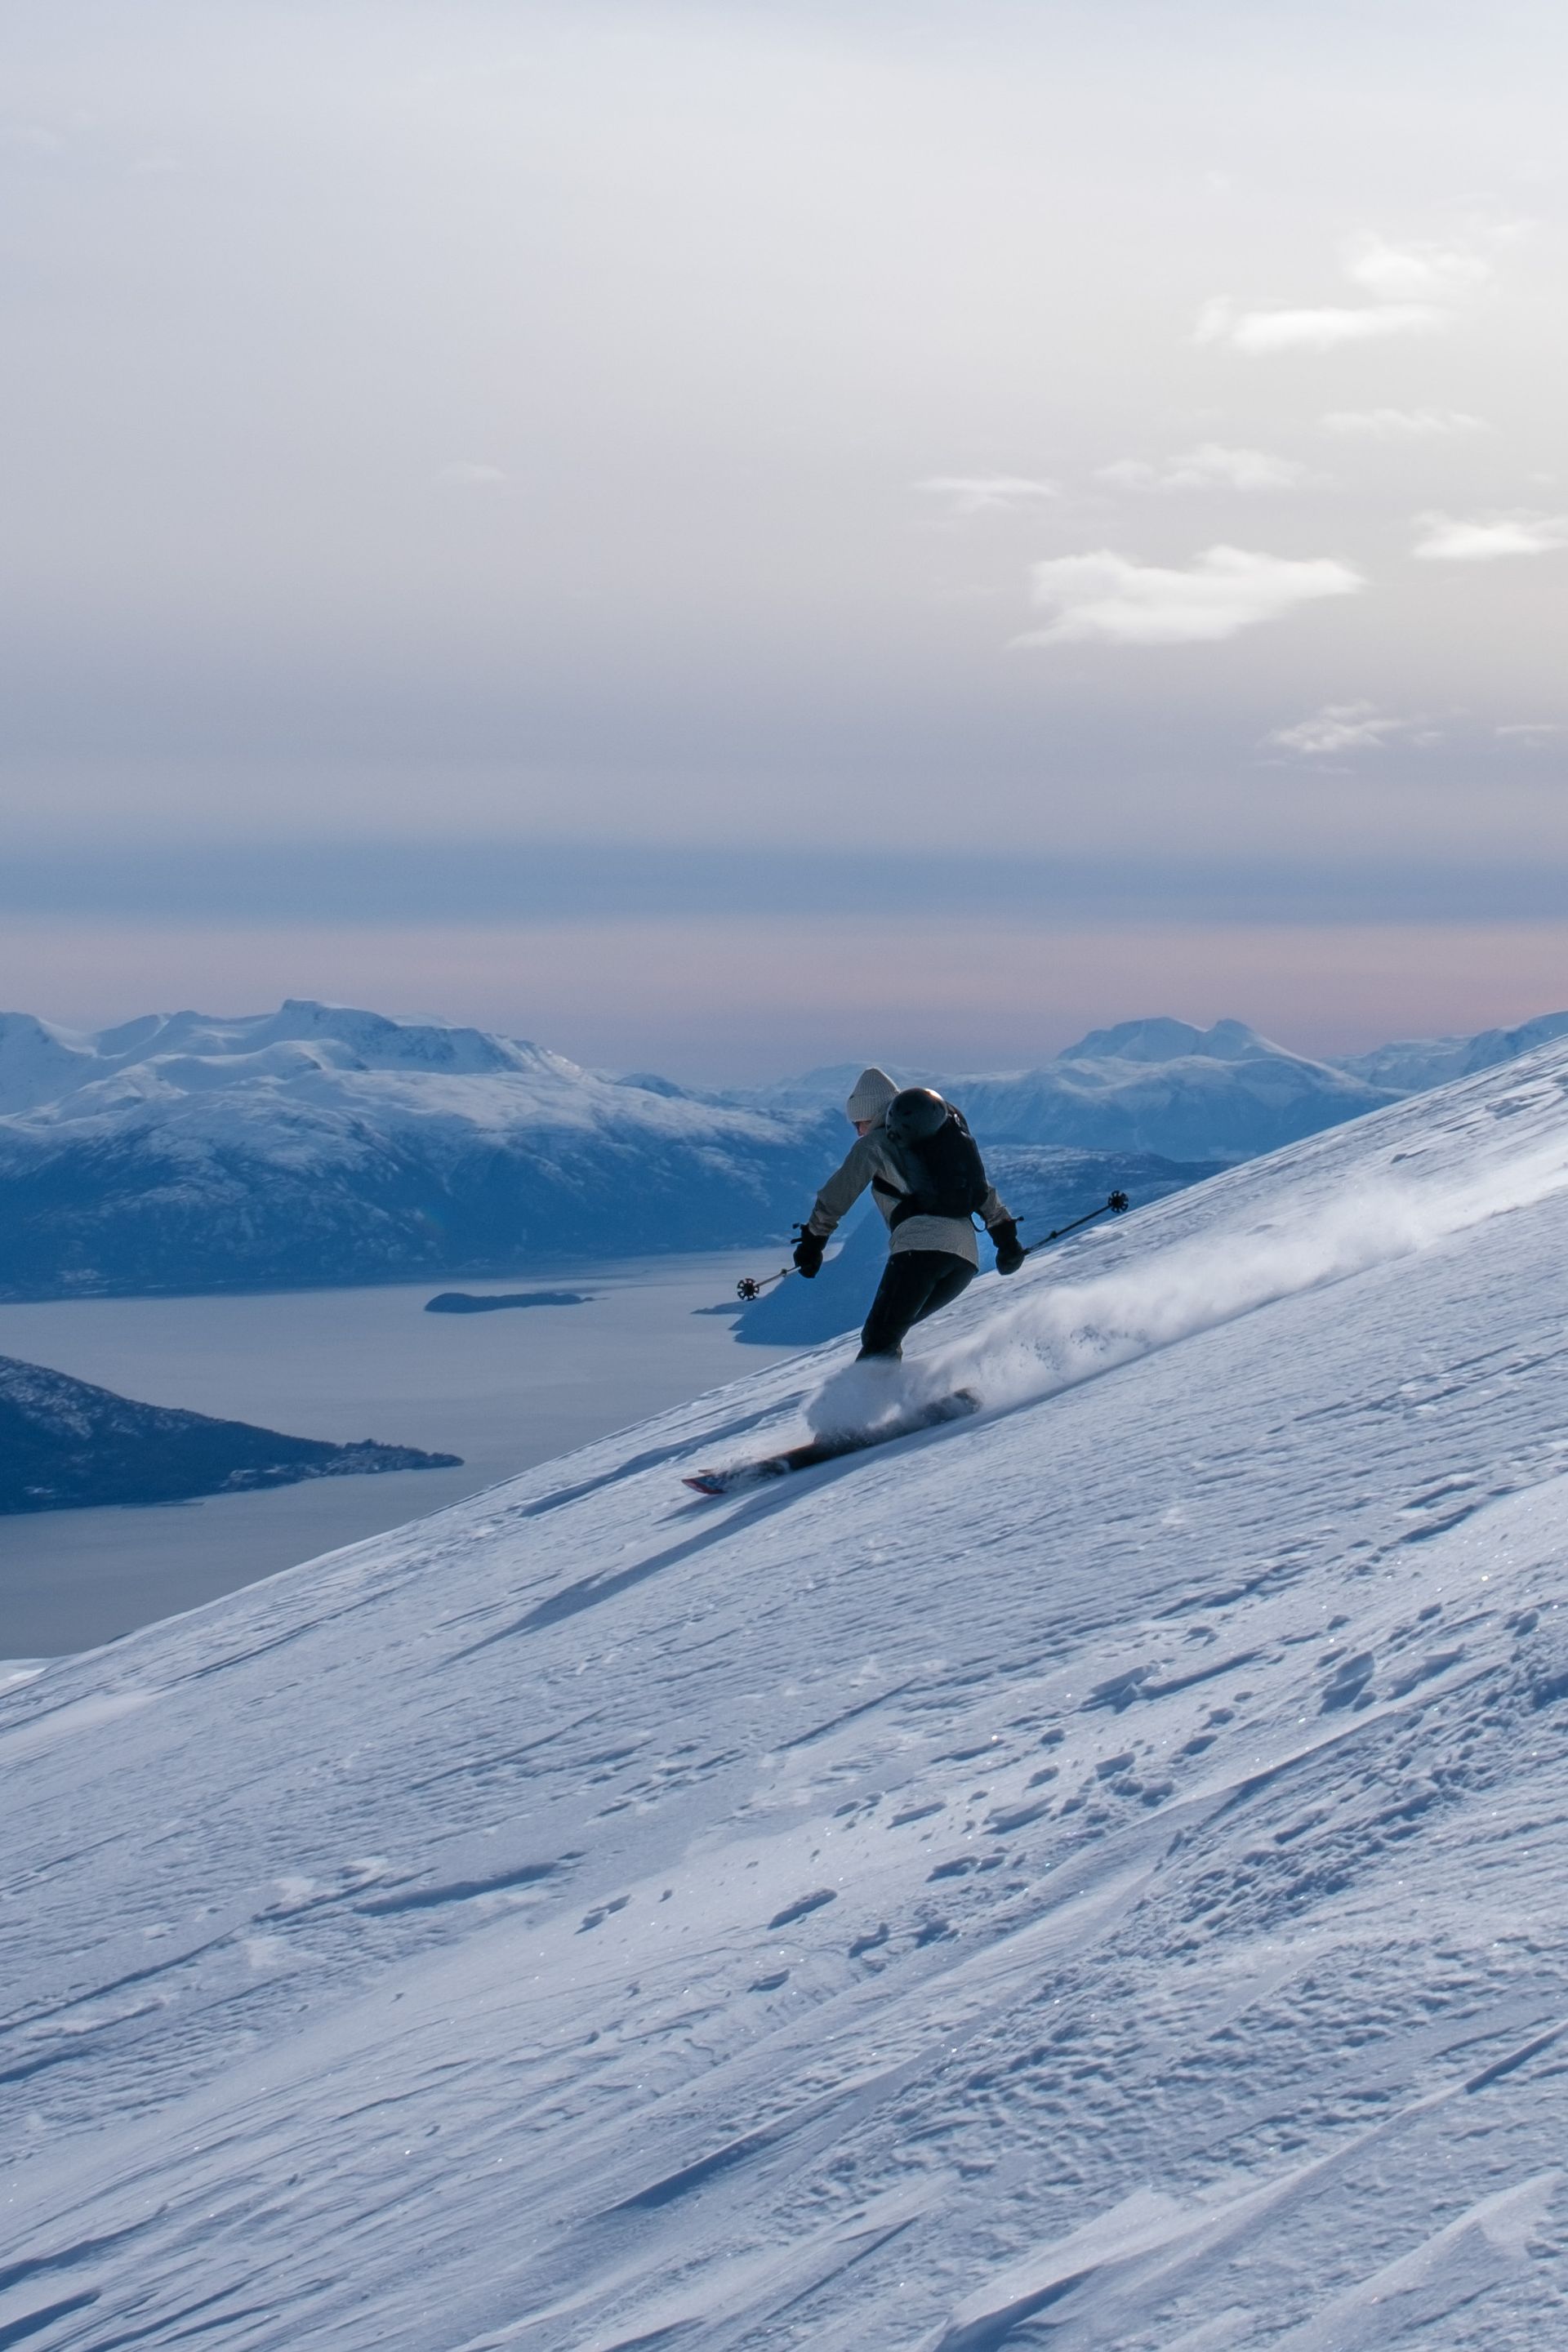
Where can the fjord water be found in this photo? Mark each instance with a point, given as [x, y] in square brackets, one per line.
[504, 1391]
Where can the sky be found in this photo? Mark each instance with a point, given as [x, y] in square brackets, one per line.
[729, 537]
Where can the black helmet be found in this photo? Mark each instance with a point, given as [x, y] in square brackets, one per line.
[916, 1114]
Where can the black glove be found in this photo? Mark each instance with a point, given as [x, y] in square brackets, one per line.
[1009, 1251]
[808, 1253]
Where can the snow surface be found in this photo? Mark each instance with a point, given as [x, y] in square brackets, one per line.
[1092, 1874]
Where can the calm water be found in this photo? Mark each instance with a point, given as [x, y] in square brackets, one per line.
[503, 1390]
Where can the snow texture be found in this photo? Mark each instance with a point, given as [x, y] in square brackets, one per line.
[1090, 1874]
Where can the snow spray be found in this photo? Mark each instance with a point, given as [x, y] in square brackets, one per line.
[1059, 1334]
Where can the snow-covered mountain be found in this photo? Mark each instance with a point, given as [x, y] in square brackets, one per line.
[1157, 1085]
[1093, 1873]
[320, 1144]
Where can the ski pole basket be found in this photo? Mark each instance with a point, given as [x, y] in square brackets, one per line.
[751, 1286]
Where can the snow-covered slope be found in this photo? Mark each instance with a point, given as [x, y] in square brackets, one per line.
[320, 1144]
[1091, 1875]
[1414, 1064]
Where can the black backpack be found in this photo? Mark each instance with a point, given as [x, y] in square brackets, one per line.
[944, 1172]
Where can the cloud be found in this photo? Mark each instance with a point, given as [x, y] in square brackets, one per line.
[1531, 731]
[1403, 423]
[969, 494]
[1340, 727]
[1323, 330]
[1448, 540]
[1417, 289]
[1211, 466]
[1110, 599]
[1415, 273]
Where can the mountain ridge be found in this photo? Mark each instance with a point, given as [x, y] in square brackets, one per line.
[322, 1145]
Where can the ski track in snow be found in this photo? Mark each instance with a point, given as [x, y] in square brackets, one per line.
[1091, 1874]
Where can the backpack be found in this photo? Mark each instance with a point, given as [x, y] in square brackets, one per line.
[944, 1173]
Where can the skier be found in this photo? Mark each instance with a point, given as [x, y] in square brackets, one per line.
[917, 1154]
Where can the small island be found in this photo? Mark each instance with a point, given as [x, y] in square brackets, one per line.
[471, 1302]
[67, 1446]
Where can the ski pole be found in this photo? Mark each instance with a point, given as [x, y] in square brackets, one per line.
[1116, 1206]
[750, 1287]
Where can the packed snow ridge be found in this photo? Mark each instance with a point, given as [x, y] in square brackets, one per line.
[1090, 1875]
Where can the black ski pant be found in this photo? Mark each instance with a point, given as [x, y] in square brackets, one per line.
[914, 1284]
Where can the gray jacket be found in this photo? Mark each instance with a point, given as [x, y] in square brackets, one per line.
[873, 1154]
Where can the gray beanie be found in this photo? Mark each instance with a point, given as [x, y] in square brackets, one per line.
[873, 1091]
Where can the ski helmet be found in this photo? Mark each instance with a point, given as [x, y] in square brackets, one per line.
[916, 1114]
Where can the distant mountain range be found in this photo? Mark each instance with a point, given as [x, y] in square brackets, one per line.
[1164, 1086]
[321, 1145]
[65, 1443]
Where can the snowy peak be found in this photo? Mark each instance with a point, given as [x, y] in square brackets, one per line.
[39, 1063]
[1160, 1040]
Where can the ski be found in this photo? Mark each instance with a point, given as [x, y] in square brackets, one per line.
[740, 1474]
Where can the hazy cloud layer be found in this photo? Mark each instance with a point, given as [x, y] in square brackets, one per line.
[656, 425]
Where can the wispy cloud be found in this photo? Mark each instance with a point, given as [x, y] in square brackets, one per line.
[1416, 290]
[1211, 466]
[1529, 733]
[1415, 273]
[1447, 539]
[1340, 727]
[1325, 329]
[1111, 599]
[970, 494]
[1403, 423]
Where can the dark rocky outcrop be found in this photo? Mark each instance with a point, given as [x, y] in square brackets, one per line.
[471, 1302]
[65, 1444]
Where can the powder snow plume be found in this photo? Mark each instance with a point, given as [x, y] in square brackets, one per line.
[1058, 1334]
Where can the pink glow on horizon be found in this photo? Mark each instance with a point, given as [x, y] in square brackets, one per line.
[740, 999]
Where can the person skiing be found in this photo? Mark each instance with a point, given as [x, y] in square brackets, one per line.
[915, 1151]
